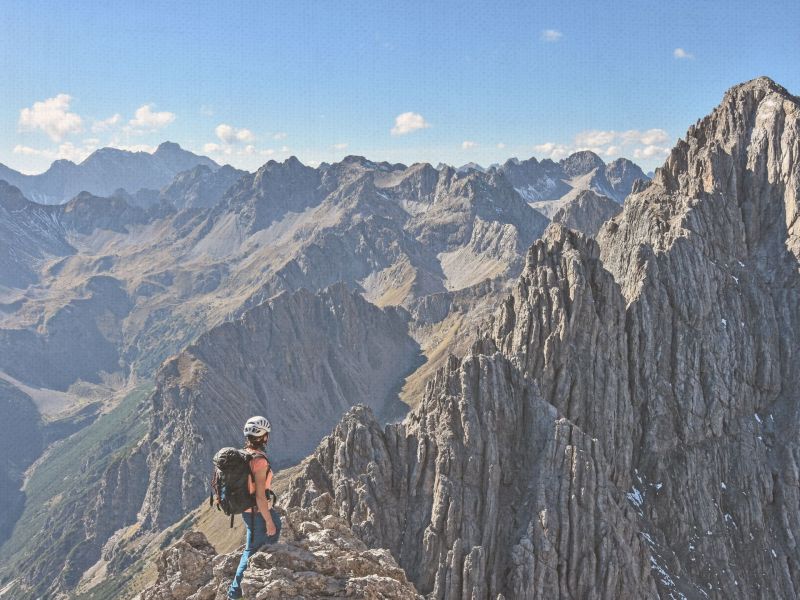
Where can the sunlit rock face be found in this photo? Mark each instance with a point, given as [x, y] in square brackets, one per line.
[628, 425]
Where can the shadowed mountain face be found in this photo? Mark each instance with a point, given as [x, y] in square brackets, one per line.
[105, 171]
[200, 187]
[28, 233]
[302, 359]
[586, 212]
[655, 454]
[21, 442]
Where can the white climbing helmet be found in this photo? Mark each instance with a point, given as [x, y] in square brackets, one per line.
[257, 426]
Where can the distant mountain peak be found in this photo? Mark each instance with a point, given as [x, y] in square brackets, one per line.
[168, 147]
[105, 171]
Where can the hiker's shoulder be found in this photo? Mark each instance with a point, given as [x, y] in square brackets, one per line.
[259, 460]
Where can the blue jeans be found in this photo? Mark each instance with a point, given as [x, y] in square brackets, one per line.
[256, 538]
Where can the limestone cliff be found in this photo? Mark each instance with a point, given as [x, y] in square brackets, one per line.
[661, 457]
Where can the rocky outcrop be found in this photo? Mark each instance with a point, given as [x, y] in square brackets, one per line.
[317, 557]
[586, 212]
[184, 569]
[201, 187]
[667, 426]
[85, 213]
[621, 176]
[275, 189]
[476, 493]
[300, 360]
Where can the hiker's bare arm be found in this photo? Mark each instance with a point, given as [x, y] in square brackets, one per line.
[261, 500]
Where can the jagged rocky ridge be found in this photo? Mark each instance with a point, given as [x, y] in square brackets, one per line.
[317, 557]
[659, 455]
[395, 233]
[544, 181]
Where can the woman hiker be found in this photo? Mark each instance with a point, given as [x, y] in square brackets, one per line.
[263, 527]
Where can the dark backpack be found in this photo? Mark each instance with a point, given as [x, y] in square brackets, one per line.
[229, 484]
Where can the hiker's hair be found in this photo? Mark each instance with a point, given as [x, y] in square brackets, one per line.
[252, 442]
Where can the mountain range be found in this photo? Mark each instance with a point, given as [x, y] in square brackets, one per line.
[599, 369]
[626, 425]
[105, 171]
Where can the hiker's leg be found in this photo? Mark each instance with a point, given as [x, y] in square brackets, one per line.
[273, 539]
[235, 590]
[260, 532]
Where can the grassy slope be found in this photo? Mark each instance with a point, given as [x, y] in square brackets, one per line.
[65, 482]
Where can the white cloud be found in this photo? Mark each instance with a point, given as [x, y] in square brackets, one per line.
[651, 151]
[647, 144]
[206, 111]
[468, 145]
[233, 135]
[67, 150]
[681, 53]
[654, 136]
[551, 35]
[595, 137]
[145, 119]
[227, 151]
[135, 147]
[407, 122]
[233, 142]
[105, 124]
[552, 150]
[500, 145]
[28, 151]
[280, 135]
[340, 146]
[51, 116]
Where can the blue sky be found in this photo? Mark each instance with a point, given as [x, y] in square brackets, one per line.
[400, 81]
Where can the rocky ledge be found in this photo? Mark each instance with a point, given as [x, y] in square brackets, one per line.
[318, 557]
